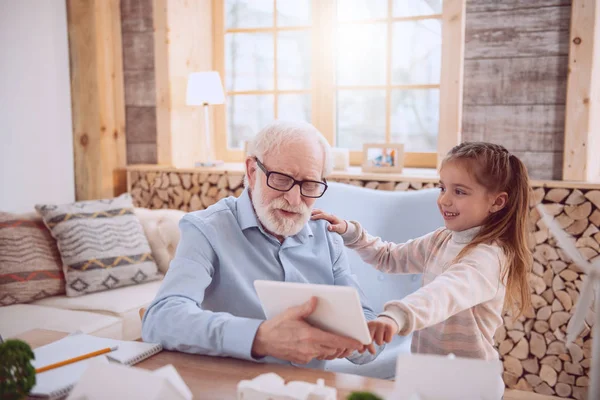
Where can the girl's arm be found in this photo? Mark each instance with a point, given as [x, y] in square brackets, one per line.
[403, 258]
[475, 279]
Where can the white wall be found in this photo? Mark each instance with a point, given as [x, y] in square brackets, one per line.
[36, 140]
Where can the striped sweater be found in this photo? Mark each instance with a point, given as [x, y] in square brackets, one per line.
[459, 306]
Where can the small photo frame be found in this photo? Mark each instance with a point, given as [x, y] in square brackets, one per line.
[383, 157]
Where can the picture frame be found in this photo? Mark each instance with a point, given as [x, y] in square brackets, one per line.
[383, 157]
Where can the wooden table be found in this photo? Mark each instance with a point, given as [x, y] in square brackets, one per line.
[214, 378]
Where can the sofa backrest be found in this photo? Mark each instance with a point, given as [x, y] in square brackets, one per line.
[162, 231]
[395, 216]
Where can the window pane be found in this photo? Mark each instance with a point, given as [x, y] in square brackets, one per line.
[293, 12]
[355, 10]
[293, 60]
[360, 117]
[249, 61]
[417, 52]
[361, 55]
[412, 8]
[415, 119]
[248, 13]
[294, 107]
[246, 115]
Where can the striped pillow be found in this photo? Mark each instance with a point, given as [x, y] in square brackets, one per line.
[30, 267]
[101, 243]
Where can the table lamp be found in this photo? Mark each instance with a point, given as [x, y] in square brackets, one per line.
[204, 89]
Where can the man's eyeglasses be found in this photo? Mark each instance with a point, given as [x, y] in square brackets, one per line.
[284, 183]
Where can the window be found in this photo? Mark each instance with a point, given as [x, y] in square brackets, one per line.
[361, 71]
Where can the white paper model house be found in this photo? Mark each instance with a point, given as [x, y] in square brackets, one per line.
[102, 381]
[436, 377]
[272, 387]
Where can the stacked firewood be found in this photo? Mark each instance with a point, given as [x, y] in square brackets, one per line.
[182, 191]
[532, 348]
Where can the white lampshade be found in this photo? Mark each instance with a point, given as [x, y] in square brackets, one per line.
[204, 88]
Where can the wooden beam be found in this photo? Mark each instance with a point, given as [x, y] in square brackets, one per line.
[220, 120]
[183, 43]
[161, 81]
[323, 105]
[451, 80]
[98, 101]
[582, 125]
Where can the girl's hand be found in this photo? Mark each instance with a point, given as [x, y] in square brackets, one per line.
[341, 353]
[383, 329]
[335, 224]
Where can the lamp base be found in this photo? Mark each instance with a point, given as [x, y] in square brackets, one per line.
[214, 163]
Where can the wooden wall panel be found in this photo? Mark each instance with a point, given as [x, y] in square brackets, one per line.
[516, 55]
[518, 33]
[528, 80]
[141, 153]
[183, 44]
[582, 145]
[141, 124]
[525, 127]
[136, 15]
[98, 108]
[452, 77]
[138, 50]
[497, 5]
[140, 89]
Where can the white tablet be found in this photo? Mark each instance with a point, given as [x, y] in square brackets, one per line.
[338, 310]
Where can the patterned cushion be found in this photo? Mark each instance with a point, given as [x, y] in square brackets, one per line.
[30, 267]
[101, 243]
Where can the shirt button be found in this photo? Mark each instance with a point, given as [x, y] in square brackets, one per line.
[381, 277]
[414, 278]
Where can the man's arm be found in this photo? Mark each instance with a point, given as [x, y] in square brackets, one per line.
[175, 318]
[343, 277]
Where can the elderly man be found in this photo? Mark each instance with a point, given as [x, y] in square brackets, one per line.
[207, 303]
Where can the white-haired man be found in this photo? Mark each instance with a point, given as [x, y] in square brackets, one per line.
[207, 303]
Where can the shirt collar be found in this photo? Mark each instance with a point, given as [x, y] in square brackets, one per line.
[466, 236]
[245, 211]
[247, 218]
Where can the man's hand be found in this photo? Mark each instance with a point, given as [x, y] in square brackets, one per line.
[382, 330]
[289, 337]
[335, 224]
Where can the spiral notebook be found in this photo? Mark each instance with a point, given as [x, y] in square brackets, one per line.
[57, 383]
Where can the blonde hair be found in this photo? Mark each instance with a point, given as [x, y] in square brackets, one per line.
[499, 171]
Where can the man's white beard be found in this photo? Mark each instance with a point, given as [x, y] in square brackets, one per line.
[266, 213]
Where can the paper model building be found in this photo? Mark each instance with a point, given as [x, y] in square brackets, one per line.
[102, 381]
[454, 378]
[271, 386]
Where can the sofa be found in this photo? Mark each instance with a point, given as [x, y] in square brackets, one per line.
[394, 215]
[112, 313]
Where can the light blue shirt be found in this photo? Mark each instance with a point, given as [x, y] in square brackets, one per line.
[207, 303]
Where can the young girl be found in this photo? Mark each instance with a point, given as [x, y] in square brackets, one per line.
[472, 269]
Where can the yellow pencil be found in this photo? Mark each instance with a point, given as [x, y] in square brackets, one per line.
[75, 359]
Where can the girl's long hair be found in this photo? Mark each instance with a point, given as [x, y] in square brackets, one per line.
[499, 171]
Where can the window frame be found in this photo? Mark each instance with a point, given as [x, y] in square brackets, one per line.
[323, 88]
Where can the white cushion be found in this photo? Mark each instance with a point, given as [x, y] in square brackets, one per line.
[123, 303]
[20, 318]
[162, 231]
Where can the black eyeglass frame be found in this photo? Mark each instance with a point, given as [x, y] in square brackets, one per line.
[294, 181]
